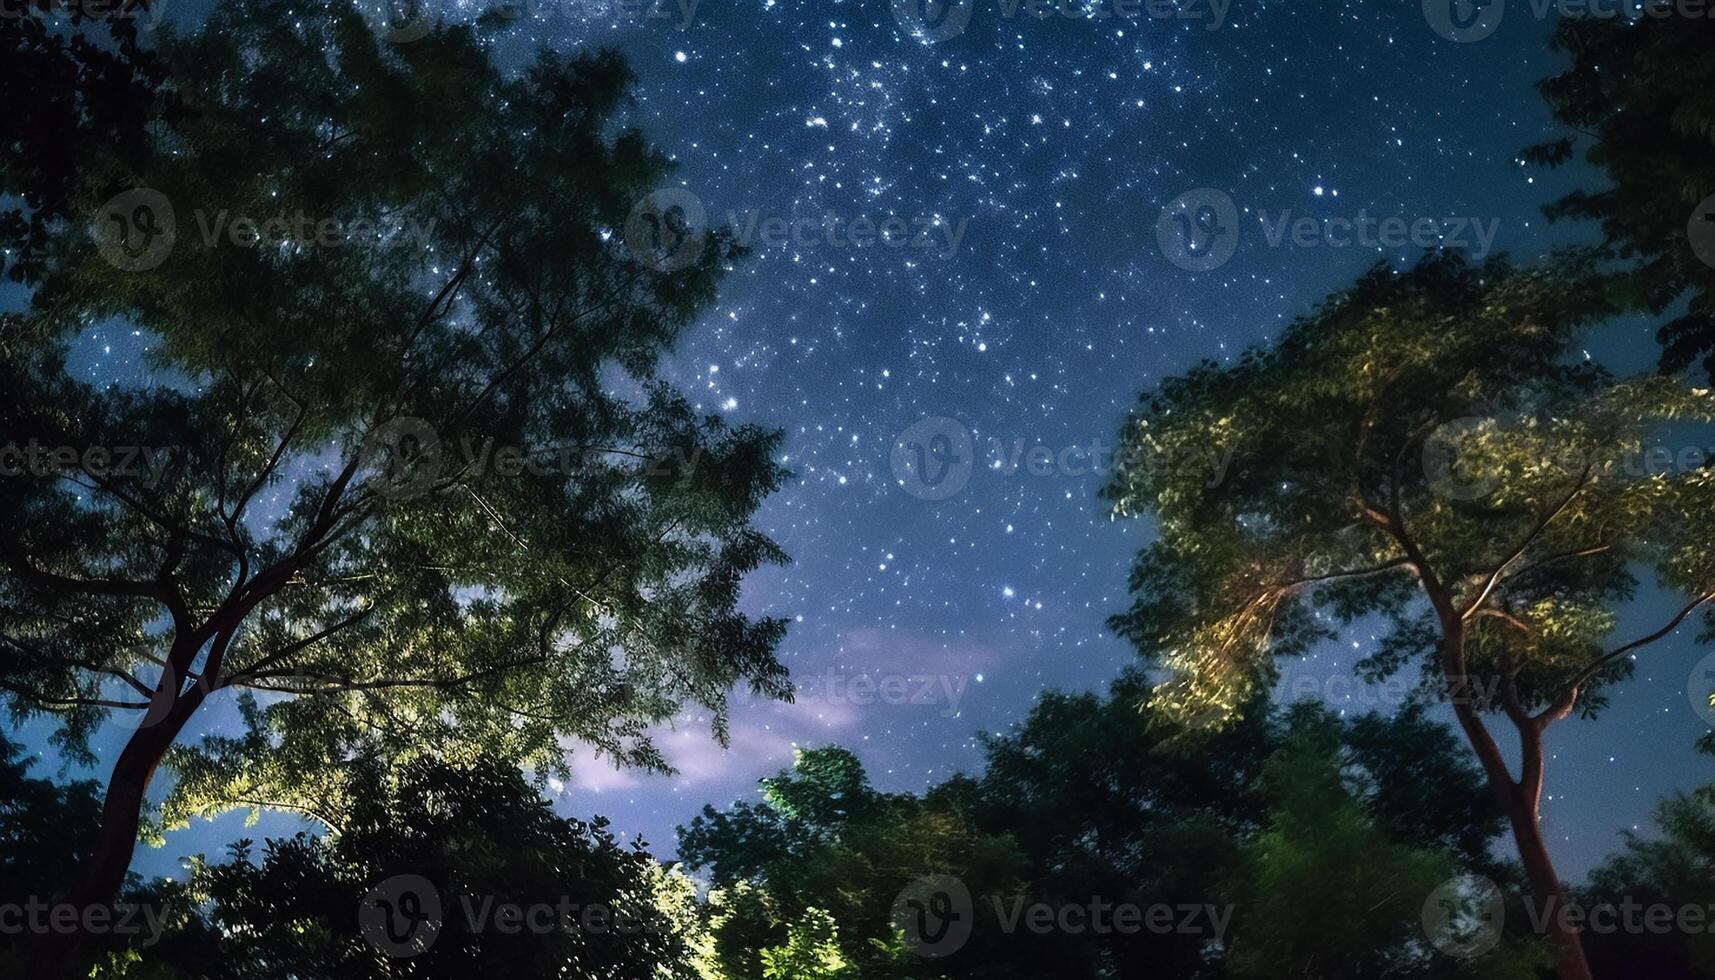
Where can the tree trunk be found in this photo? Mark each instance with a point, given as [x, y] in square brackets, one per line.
[1545, 884]
[1519, 798]
[103, 871]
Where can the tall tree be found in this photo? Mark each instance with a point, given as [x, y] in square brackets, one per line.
[414, 476]
[1425, 447]
[1639, 96]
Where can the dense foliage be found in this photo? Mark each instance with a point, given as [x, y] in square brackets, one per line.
[411, 477]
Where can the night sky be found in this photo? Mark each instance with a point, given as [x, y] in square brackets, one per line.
[1046, 148]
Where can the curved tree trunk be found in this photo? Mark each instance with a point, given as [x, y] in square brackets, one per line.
[1520, 799]
[103, 871]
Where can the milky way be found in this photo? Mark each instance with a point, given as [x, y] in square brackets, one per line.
[1021, 300]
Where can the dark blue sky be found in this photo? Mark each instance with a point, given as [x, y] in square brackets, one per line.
[1046, 148]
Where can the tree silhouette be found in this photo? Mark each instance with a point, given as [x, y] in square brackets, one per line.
[1424, 447]
[1082, 800]
[1638, 97]
[439, 871]
[413, 477]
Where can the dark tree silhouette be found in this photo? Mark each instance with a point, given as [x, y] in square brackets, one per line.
[437, 871]
[1639, 98]
[1085, 799]
[414, 477]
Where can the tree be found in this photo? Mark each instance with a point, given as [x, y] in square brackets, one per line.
[1079, 803]
[438, 871]
[1326, 890]
[825, 844]
[1675, 871]
[1640, 97]
[423, 488]
[79, 79]
[1428, 448]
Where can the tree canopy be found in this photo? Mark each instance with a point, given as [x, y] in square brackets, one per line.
[1429, 448]
[1639, 99]
[411, 475]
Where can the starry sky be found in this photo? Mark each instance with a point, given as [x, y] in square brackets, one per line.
[1030, 301]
